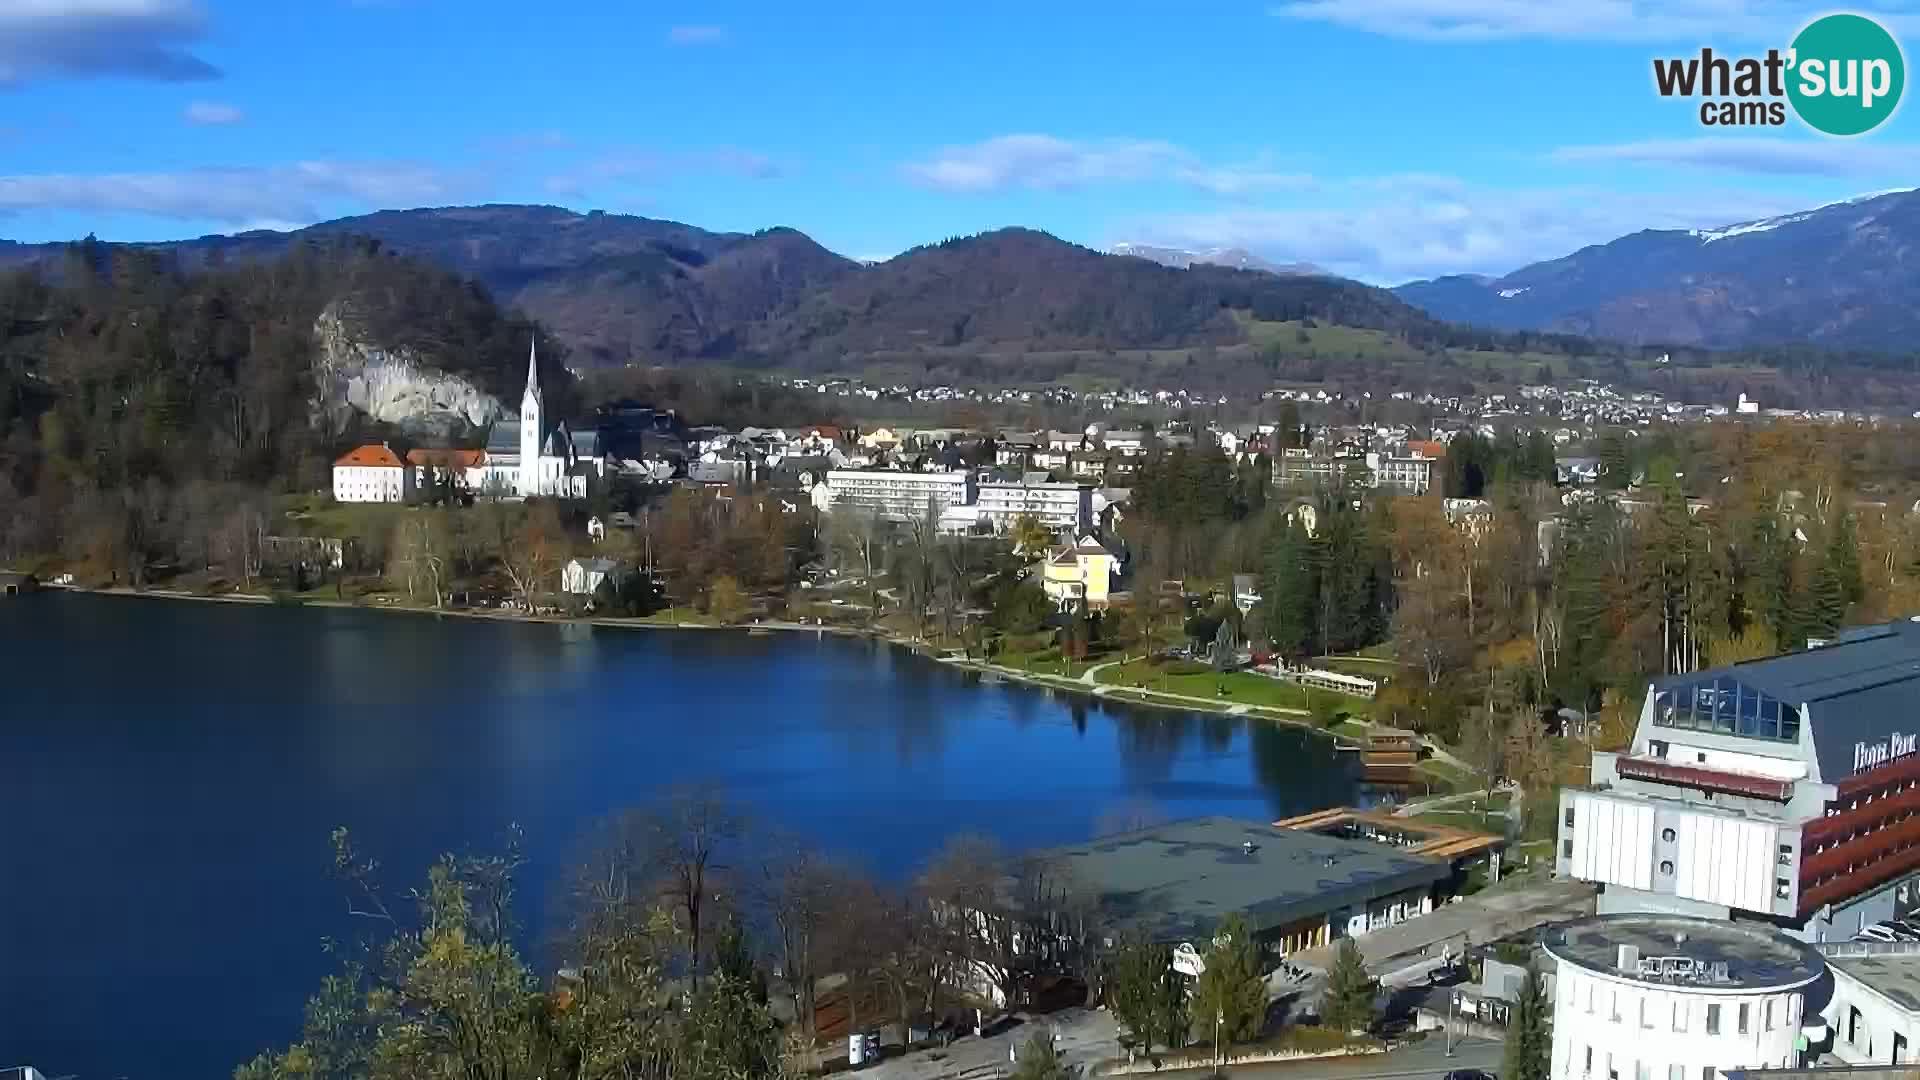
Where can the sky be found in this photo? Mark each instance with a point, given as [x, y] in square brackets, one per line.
[1383, 139]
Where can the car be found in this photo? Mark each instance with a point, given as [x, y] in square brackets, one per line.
[1876, 932]
[1468, 1074]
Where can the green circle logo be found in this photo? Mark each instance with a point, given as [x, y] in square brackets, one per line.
[1847, 74]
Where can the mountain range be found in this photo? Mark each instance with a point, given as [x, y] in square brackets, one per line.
[618, 289]
[1845, 276]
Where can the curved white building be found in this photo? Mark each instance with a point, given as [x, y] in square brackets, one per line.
[1668, 997]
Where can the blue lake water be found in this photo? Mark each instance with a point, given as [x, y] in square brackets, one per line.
[172, 771]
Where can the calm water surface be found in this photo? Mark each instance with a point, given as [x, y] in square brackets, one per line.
[172, 771]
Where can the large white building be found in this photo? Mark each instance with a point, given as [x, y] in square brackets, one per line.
[1060, 507]
[372, 474]
[526, 458]
[1783, 789]
[1666, 997]
[898, 495]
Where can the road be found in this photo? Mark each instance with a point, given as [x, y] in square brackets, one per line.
[1426, 1060]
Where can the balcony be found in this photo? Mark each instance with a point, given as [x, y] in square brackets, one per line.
[1656, 771]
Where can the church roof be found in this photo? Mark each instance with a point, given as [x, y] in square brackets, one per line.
[504, 438]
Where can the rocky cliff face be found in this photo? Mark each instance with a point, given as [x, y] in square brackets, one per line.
[354, 376]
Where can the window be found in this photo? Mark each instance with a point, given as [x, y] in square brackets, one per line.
[1680, 1014]
[1566, 848]
[1706, 1072]
[1743, 1018]
[1768, 1021]
[1613, 1008]
[1782, 888]
[1713, 1019]
[1676, 1072]
[1666, 867]
[1785, 858]
[1641, 1071]
[1668, 835]
[1569, 817]
[1646, 1012]
[1589, 1065]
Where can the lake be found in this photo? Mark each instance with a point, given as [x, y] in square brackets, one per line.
[173, 770]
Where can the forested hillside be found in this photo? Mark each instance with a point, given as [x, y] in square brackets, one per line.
[141, 405]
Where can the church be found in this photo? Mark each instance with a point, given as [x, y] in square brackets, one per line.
[525, 458]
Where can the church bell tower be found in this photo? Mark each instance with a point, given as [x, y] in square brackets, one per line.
[530, 423]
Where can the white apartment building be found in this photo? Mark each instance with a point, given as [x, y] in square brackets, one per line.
[1668, 997]
[1060, 507]
[898, 495]
[1411, 473]
[372, 474]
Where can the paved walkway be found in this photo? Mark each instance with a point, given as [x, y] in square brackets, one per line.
[1085, 1036]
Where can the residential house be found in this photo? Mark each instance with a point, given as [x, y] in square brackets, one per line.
[583, 577]
[1081, 573]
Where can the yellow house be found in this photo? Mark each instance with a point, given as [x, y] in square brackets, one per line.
[1081, 572]
[881, 439]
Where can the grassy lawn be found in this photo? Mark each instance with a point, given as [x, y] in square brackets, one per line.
[1198, 680]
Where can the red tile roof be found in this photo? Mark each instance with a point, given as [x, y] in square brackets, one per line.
[448, 459]
[372, 455]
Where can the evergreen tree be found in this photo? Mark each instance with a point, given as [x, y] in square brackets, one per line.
[1529, 1042]
[1232, 988]
[1348, 1002]
[1148, 996]
[1039, 1060]
[1289, 590]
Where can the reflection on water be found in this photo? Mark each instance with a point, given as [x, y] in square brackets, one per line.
[185, 762]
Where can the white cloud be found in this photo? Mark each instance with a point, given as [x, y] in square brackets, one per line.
[1235, 182]
[641, 166]
[1050, 163]
[1041, 161]
[305, 191]
[1691, 21]
[208, 113]
[696, 35]
[1394, 229]
[1786, 157]
[140, 39]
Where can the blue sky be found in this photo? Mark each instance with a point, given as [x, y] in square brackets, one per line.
[1386, 139]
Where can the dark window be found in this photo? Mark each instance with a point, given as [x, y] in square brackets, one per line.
[1666, 867]
[1743, 1018]
[1713, 1019]
[1566, 848]
[1569, 817]
[1668, 835]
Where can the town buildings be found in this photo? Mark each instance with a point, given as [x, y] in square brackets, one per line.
[1782, 790]
[1667, 997]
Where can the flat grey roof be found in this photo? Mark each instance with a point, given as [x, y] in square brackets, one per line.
[1177, 881]
[1893, 974]
[1755, 956]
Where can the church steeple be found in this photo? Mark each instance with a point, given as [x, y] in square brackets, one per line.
[533, 373]
[531, 425]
